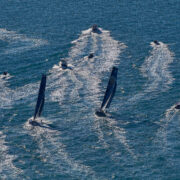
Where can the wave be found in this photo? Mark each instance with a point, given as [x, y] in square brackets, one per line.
[84, 76]
[7, 168]
[18, 43]
[87, 73]
[120, 135]
[82, 84]
[5, 77]
[5, 99]
[155, 69]
[53, 152]
[10, 97]
[162, 134]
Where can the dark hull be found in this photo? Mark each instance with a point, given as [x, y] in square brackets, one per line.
[100, 113]
[177, 106]
[34, 123]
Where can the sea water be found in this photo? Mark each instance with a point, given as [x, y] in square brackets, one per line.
[139, 139]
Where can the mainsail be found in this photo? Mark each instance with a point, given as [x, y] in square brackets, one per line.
[111, 89]
[41, 97]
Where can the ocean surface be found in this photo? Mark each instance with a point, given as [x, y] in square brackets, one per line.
[140, 137]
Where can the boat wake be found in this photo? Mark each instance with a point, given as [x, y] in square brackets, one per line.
[80, 87]
[18, 43]
[86, 78]
[168, 125]
[53, 151]
[7, 168]
[10, 97]
[155, 69]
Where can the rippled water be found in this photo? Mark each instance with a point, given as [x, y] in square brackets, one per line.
[139, 139]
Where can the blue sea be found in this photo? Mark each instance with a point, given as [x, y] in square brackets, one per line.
[139, 137]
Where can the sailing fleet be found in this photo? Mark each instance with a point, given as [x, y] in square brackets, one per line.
[108, 96]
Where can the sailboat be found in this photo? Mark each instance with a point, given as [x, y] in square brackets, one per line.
[40, 101]
[109, 94]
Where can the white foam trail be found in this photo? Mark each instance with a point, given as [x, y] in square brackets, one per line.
[85, 76]
[88, 73]
[164, 123]
[98, 129]
[106, 54]
[7, 168]
[5, 77]
[120, 134]
[155, 68]
[77, 50]
[5, 99]
[9, 97]
[107, 51]
[62, 81]
[18, 43]
[62, 86]
[110, 51]
[53, 152]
